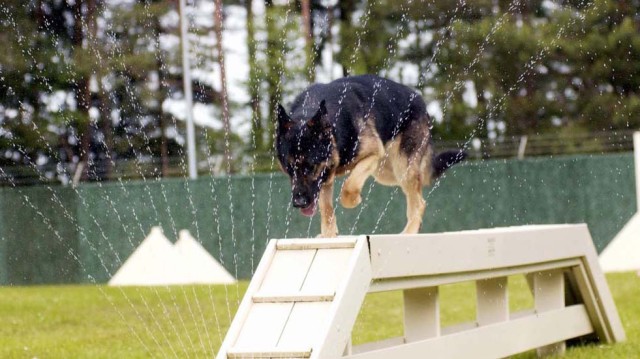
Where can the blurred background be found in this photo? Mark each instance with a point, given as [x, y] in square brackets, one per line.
[92, 90]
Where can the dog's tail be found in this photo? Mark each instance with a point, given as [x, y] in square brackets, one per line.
[443, 160]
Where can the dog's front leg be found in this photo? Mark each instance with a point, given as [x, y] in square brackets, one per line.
[350, 196]
[328, 225]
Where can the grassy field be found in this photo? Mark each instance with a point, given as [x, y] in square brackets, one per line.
[190, 322]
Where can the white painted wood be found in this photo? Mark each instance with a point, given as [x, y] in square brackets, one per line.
[600, 306]
[522, 313]
[348, 350]
[395, 256]
[594, 310]
[291, 307]
[316, 243]
[346, 305]
[495, 340]
[268, 353]
[548, 290]
[381, 344]
[291, 298]
[492, 301]
[548, 294]
[327, 270]
[421, 313]
[459, 327]
[287, 271]
[263, 325]
[303, 278]
[450, 329]
[247, 302]
[389, 284]
[305, 325]
[601, 295]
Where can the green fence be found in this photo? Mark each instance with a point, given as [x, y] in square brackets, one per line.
[65, 235]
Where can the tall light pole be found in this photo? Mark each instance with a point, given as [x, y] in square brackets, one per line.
[188, 94]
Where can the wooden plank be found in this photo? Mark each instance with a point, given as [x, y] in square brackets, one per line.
[548, 294]
[264, 325]
[495, 340]
[234, 353]
[461, 327]
[395, 256]
[458, 327]
[492, 301]
[327, 270]
[444, 331]
[389, 284]
[613, 330]
[297, 297]
[346, 305]
[348, 350]
[246, 304]
[421, 313]
[307, 322]
[316, 243]
[377, 345]
[451, 329]
[287, 271]
[602, 321]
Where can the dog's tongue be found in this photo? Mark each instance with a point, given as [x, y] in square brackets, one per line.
[309, 211]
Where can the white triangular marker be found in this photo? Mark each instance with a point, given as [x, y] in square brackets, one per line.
[200, 265]
[623, 252]
[158, 262]
[154, 262]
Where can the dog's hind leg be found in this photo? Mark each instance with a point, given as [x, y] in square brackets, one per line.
[415, 205]
[407, 173]
[328, 225]
[350, 195]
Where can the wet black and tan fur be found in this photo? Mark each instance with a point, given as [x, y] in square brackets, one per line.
[358, 126]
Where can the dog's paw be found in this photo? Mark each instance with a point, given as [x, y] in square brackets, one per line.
[350, 199]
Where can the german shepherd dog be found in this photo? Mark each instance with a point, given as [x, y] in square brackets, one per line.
[360, 126]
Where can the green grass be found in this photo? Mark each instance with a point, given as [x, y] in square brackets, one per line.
[190, 322]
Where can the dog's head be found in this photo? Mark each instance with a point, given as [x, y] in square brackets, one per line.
[304, 147]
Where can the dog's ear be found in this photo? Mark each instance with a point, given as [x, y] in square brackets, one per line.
[284, 121]
[320, 120]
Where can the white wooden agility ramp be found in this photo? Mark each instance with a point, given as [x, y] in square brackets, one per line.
[306, 294]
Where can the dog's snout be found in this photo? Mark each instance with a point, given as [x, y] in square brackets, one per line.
[300, 201]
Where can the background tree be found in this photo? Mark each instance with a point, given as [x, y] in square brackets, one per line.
[254, 85]
[97, 82]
